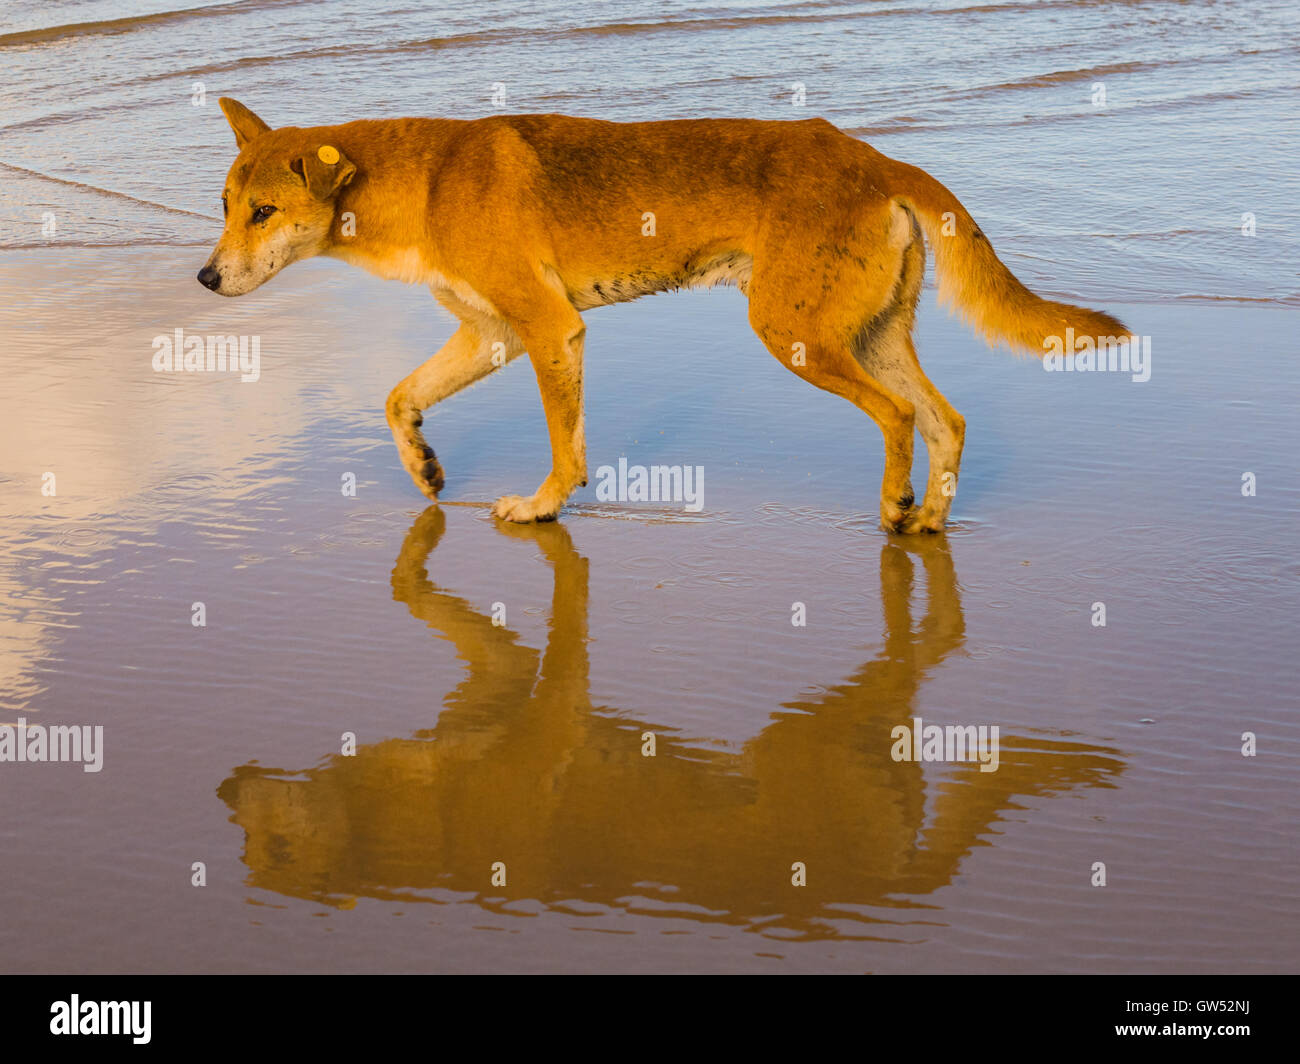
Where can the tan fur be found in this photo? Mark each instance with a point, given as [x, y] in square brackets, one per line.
[517, 223]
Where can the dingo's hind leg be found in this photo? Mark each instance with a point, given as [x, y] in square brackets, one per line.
[885, 350]
[819, 349]
[941, 426]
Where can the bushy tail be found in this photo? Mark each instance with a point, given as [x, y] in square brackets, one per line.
[974, 282]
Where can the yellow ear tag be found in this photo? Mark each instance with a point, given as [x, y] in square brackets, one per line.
[328, 155]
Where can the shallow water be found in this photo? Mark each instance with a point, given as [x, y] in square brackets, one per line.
[522, 742]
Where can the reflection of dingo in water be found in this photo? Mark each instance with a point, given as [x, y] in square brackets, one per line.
[521, 768]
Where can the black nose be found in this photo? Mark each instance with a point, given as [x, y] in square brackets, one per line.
[209, 278]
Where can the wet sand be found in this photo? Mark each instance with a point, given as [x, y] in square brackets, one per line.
[522, 742]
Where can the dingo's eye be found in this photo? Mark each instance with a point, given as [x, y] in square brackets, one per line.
[263, 212]
[225, 207]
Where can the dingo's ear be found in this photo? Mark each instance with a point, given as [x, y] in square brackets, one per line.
[245, 124]
[324, 171]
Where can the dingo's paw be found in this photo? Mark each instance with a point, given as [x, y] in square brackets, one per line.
[894, 514]
[522, 510]
[895, 509]
[922, 520]
[419, 460]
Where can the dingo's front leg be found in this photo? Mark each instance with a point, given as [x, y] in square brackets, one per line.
[554, 345]
[464, 359]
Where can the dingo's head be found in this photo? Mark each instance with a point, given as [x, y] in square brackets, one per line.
[279, 201]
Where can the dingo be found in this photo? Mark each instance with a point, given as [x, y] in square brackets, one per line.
[520, 222]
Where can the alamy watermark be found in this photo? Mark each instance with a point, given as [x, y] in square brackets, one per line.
[58, 742]
[179, 353]
[1105, 354]
[102, 1017]
[931, 742]
[656, 483]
